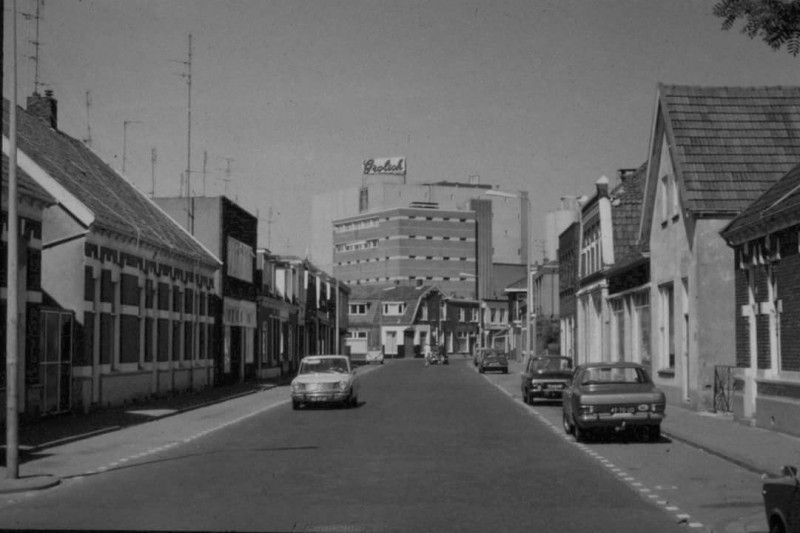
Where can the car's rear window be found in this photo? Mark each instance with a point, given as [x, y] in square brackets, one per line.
[551, 363]
[604, 375]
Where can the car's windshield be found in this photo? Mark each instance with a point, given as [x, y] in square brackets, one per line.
[610, 374]
[314, 366]
[494, 355]
[551, 363]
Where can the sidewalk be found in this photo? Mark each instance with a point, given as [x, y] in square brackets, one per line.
[755, 449]
[58, 430]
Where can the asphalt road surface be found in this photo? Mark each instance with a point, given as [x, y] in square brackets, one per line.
[428, 449]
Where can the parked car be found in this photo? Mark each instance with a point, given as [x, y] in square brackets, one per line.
[325, 379]
[374, 356]
[782, 501]
[612, 396]
[545, 377]
[493, 359]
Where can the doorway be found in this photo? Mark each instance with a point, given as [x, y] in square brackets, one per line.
[55, 364]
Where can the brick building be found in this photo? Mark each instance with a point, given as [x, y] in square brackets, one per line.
[764, 238]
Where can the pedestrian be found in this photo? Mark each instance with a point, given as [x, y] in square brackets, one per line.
[426, 353]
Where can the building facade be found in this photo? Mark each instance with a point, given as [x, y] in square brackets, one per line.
[703, 170]
[132, 285]
[230, 232]
[764, 238]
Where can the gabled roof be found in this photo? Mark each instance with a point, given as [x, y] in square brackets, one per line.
[115, 203]
[411, 296]
[777, 208]
[25, 184]
[626, 212]
[728, 144]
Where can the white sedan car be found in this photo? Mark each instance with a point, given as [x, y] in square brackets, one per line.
[325, 379]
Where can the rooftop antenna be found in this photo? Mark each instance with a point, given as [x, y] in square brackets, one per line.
[187, 174]
[88, 139]
[153, 158]
[205, 166]
[125, 124]
[227, 177]
[270, 220]
[190, 203]
[36, 45]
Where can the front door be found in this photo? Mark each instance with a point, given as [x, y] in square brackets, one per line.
[55, 366]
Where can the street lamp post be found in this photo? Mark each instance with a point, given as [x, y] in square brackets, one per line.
[529, 290]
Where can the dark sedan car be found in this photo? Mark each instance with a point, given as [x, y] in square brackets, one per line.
[615, 396]
[545, 377]
[493, 359]
[782, 501]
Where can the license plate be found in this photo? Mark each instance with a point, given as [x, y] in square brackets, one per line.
[622, 410]
[320, 399]
[555, 386]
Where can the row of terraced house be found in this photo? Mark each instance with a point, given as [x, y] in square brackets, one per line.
[688, 264]
[125, 297]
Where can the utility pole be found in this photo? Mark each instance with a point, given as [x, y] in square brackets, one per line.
[12, 296]
[125, 124]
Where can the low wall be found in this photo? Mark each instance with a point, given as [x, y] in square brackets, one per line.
[778, 406]
[120, 388]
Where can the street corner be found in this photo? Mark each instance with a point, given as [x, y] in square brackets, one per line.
[28, 483]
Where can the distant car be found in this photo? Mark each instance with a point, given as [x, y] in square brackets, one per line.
[325, 379]
[782, 501]
[374, 356]
[545, 377]
[493, 359]
[612, 396]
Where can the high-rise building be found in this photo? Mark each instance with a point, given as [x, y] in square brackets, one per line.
[390, 232]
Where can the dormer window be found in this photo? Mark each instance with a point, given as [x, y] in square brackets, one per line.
[394, 308]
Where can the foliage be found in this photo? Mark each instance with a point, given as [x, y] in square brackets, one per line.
[776, 22]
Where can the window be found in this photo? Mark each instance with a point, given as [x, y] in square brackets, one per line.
[394, 308]
[462, 315]
[358, 309]
[240, 260]
[670, 207]
[667, 326]
[423, 312]
[475, 315]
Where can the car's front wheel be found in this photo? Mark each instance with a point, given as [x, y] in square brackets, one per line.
[295, 405]
[654, 433]
[353, 400]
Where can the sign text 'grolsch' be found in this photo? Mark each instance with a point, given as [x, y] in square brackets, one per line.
[386, 165]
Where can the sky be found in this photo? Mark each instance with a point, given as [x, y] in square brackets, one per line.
[288, 97]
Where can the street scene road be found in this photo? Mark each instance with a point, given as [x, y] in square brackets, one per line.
[428, 449]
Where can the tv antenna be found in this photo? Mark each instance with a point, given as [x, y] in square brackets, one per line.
[125, 124]
[153, 158]
[88, 139]
[227, 170]
[36, 44]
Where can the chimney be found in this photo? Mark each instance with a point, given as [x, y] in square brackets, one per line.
[44, 108]
[624, 174]
[602, 187]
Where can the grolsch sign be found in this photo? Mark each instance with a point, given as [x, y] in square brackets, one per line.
[386, 165]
